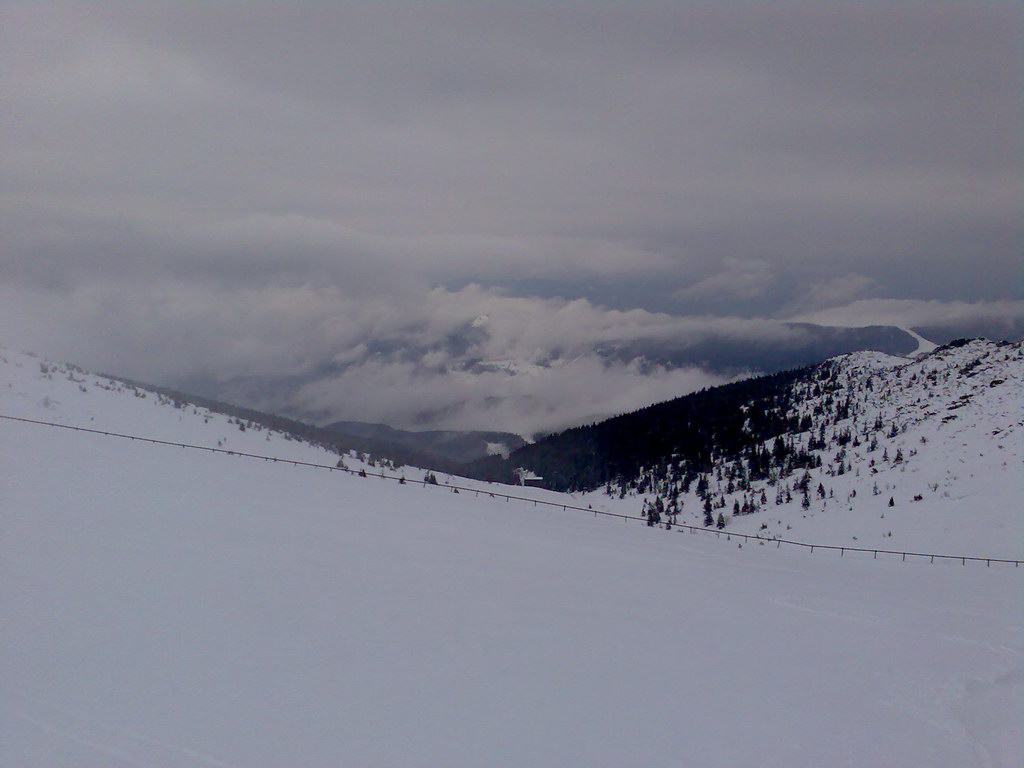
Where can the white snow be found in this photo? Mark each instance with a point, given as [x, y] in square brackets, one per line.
[169, 607]
[923, 345]
[498, 449]
[958, 417]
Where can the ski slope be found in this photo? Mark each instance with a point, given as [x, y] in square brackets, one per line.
[955, 470]
[169, 607]
[922, 455]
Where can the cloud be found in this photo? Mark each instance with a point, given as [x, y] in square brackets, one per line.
[742, 280]
[312, 207]
[467, 358]
[656, 145]
[907, 313]
[836, 292]
[540, 399]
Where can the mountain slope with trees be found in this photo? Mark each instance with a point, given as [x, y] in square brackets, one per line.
[843, 442]
[700, 428]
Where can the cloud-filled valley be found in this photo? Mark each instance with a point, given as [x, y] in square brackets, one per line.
[466, 359]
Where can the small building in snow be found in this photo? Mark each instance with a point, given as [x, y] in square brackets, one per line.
[527, 477]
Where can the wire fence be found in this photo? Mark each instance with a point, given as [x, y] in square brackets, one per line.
[728, 535]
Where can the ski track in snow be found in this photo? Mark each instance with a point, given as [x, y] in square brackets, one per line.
[985, 705]
[125, 745]
[818, 606]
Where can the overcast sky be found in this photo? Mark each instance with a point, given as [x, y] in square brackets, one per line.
[226, 191]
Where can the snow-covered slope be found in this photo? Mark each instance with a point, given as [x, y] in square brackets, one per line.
[168, 607]
[939, 435]
[40, 389]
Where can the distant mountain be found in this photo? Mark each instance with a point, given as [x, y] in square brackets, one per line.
[369, 442]
[1004, 329]
[452, 445]
[803, 344]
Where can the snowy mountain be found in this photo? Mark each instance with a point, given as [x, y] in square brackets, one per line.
[167, 606]
[817, 454]
[939, 436]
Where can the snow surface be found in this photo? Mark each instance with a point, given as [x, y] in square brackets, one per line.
[923, 345]
[948, 450]
[169, 607]
[960, 419]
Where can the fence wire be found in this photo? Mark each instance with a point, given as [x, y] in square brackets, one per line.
[728, 535]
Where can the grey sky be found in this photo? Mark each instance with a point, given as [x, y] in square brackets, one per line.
[239, 180]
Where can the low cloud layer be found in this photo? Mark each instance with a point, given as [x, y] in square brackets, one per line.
[471, 359]
[465, 359]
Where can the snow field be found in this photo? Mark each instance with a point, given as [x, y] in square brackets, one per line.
[168, 607]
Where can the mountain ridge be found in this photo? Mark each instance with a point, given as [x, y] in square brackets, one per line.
[838, 441]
